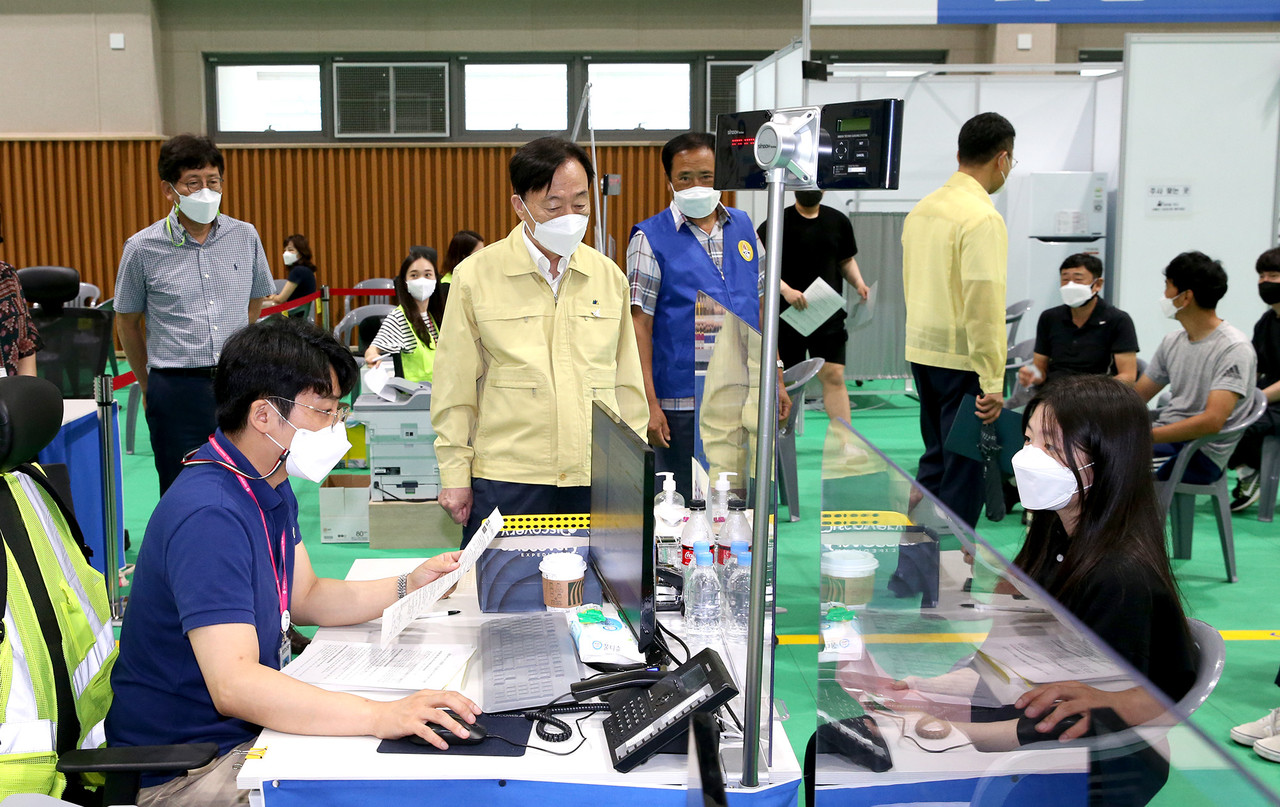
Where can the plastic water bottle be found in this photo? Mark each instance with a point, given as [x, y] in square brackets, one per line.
[698, 546]
[736, 530]
[702, 603]
[697, 528]
[737, 598]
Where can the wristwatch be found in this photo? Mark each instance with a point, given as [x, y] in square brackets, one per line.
[402, 586]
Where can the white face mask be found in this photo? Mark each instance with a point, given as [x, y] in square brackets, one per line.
[290, 258]
[697, 202]
[561, 235]
[1043, 484]
[1076, 294]
[201, 206]
[312, 454]
[421, 288]
[1168, 307]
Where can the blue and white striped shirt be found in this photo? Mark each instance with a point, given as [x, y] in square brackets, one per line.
[194, 296]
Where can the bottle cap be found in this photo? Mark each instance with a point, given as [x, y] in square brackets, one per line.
[737, 504]
[697, 504]
[704, 558]
[701, 546]
[739, 546]
[744, 558]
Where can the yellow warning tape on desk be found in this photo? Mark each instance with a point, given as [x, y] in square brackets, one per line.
[836, 518]
[566, 521]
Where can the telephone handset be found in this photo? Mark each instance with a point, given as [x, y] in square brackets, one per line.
[645, 720]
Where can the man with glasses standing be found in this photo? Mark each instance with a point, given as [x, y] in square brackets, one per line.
[954, 268]
[194, 278]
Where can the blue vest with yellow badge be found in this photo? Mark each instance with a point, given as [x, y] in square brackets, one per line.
[686, 270]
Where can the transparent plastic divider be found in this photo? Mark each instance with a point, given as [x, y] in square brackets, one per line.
[928, 637]
[727, 396]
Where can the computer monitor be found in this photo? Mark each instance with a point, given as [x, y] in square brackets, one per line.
[622, 521]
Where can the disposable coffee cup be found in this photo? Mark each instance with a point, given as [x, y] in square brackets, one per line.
[848, 577]
[562, 575]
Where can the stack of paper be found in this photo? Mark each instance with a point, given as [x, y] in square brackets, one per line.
[357, 665]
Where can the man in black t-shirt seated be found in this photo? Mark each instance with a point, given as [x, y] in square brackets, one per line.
[1266, 343]
[817, 242]
[1084, 335]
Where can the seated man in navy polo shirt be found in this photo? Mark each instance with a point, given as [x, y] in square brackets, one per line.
[1084, 335]
[223, 571]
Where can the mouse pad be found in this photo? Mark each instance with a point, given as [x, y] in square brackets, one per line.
[515, 729]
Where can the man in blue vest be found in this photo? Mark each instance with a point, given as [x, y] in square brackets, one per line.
[696, 244]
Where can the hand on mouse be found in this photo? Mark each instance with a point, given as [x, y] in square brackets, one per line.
[395, 719]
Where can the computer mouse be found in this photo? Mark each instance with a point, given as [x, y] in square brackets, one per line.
[476, 733]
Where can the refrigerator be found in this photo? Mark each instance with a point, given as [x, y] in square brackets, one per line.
[1051, 215]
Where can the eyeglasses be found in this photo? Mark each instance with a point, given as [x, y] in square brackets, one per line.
[1013, 163]
[338, 414]
[192, 185]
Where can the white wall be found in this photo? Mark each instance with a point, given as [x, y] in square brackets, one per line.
[1201, 110]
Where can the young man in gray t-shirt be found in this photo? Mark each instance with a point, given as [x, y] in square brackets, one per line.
[1209, 366]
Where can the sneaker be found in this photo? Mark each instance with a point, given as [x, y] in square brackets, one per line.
[1268, 748]
[1260, 729]
[1248, 489]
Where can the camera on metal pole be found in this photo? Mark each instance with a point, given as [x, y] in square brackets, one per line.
[846, 146]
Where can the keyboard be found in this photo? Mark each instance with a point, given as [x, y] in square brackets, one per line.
[528, 661]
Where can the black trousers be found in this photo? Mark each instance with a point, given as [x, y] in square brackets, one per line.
[519, 498]
[1249, 449]
[955, 480]
[677, 457]
[180, 416]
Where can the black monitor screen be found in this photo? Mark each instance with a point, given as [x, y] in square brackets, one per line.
[622, 521]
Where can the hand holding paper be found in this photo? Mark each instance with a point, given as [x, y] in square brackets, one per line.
[821, 301]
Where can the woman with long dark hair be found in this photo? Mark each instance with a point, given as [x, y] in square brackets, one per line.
[301, 280]
[463, 243]
[413, 328]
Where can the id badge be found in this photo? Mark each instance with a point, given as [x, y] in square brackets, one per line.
[286, 650]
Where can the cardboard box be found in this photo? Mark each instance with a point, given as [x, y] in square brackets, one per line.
[344, 509]
[412, 525]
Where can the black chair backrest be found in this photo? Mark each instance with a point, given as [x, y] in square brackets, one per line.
[30, 417]
[49, 286]
[366, 331]
[77, 346]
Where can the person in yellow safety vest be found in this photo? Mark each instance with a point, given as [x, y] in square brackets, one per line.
[43, 571]
[413, 328]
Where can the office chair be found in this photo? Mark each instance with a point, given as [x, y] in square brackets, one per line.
[795, 378]
[77, 341]
[1013, 316]
[46, 545]
[1178, 499]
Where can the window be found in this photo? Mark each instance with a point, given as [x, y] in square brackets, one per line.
[269, 98]
[390, 100]
[640, 96]
[526, 97]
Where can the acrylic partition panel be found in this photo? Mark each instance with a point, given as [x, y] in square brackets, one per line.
[929, 637]
[727, 395]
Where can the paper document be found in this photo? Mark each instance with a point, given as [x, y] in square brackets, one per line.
[823, 301]
[401, 613]
[863, 310]
[357, 665]
[1042, 656]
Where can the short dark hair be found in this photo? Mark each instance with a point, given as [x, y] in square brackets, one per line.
[302, 246]
[689, 141]
[1201, 275]
[278, 358]
[1269, 261]
[983, 137]
[535, 163]
[1089, 263]
[185, 152]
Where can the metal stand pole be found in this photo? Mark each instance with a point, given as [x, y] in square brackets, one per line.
[766, 431]
[104, 396]
[326, 319]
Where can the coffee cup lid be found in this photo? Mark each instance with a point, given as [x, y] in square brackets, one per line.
[849, 563]
[562, 566]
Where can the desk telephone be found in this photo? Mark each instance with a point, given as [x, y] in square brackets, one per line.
[644, 720]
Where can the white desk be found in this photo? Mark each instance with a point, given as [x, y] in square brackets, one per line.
[345, 770]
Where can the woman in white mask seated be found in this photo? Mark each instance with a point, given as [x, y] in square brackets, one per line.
[413, 328]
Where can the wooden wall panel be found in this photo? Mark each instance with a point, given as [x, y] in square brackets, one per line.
[74, 202]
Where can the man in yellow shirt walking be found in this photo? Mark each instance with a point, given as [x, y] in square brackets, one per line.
[954, 265]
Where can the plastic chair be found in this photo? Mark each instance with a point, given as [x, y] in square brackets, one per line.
[352, 321]
[77, 341]
[1180, 497]
[279, 284]
[1013, 316]
[369, 283]
[88, 296]
[1270, 481]
[1019, 356]
[788, 476]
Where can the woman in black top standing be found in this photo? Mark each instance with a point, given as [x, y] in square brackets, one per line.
[301, 280]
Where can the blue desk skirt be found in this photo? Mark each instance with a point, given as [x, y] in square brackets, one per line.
[78, 447]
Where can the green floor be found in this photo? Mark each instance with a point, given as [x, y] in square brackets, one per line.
[1245, 692]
